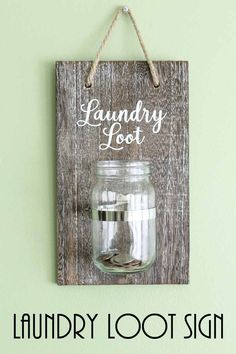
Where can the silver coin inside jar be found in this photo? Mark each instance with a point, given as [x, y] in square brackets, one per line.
[123, 217]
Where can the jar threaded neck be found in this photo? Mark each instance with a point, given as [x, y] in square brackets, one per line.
[119, 168]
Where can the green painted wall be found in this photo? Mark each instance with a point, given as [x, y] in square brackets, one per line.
[34, 34]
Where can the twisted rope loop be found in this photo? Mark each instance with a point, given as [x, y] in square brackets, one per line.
[105, 40]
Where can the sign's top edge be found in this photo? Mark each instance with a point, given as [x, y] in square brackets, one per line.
[119, 61]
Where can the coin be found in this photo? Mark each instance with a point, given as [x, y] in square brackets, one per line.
[121, 259]
[114, 259]
[127, 264]
[106, 256]
[133, 263]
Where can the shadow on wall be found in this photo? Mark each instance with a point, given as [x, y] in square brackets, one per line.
[49, 94]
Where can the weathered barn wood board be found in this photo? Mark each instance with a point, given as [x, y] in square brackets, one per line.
[119, 85]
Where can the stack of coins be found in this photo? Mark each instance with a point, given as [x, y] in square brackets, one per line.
[113, 260]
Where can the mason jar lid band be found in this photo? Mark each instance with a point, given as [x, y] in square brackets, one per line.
[123, 215]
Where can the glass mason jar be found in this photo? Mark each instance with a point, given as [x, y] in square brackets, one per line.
[123, 217]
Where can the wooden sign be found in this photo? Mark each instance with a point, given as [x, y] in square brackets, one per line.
[85, 134]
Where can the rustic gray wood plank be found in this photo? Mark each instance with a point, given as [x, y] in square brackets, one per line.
[66, 176]
[119, 85]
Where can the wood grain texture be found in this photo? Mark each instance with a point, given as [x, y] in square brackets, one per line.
[119, 85]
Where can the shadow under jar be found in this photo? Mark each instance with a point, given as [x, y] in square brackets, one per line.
[123, 217]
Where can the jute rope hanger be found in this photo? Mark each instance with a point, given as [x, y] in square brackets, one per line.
[92, 71]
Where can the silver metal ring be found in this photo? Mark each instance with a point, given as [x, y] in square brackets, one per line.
[123, 215]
